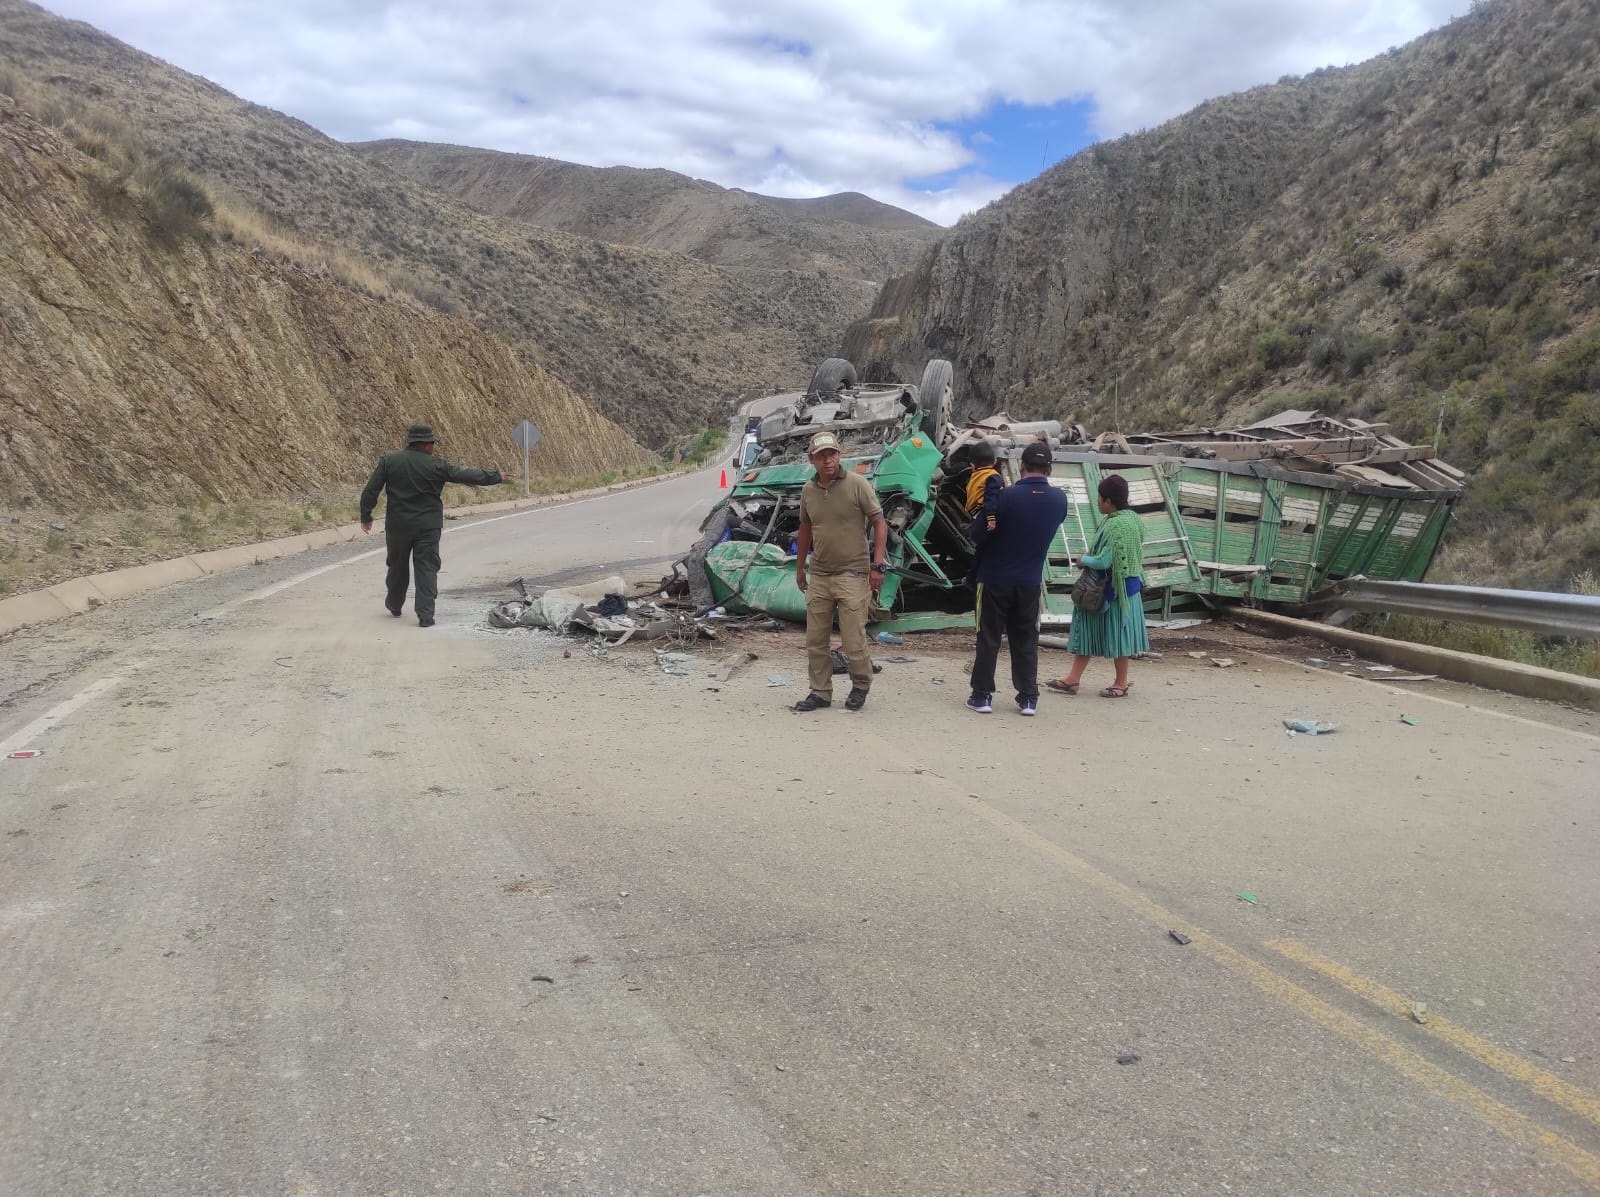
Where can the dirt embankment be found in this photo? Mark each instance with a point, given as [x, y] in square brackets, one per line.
[141, 368]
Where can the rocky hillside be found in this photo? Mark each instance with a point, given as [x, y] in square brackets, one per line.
[145, 362]
[849, 235]
[659, 342]
[1413, 239]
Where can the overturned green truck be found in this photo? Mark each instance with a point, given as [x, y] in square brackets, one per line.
[1267, 514]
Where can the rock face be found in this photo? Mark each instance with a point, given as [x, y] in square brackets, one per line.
[1102, 237]
[138, 370]
[848, 235]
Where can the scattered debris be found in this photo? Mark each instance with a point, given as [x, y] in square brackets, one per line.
[1147, 656]
[1247, 896]
[1409, 720]
[1317, 662]
[733, 662]
[897, 660]
[611, 617]
[890, 638]
[674, 664]
[1224, 662]
[776, 680]
[1310, 727]
[1419, 1012]
[1412, 677]
[1176, 625]
[1128, 1058]
[1199, 656]
[542, 977]
[1180, 937]
[24, 754]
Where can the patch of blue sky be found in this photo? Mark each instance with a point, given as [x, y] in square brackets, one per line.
[1014, 142]
[773, 44]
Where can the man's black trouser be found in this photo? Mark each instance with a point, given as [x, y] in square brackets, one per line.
[1012, 611]
[406, 545]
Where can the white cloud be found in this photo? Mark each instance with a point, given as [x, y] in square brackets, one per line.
[798, 97]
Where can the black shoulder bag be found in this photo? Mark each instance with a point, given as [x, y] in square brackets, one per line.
[1089, 591]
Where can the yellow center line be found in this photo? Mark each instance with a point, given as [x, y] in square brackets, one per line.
[1545, 1084]
[1513, 1125]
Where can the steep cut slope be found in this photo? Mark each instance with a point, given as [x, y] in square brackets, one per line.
[850, 235]
[661, 343]
[1413, 239]
[141, 367]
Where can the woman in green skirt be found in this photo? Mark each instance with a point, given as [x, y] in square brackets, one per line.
[1117, 630]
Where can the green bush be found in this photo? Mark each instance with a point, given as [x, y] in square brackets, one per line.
[1361, 351]
[1276, 349]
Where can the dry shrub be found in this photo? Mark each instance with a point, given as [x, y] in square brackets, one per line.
[179, 206]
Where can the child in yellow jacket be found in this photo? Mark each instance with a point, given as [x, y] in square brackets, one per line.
[985, 481]
[984, 484]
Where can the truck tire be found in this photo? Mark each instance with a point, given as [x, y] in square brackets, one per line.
[936, 399]
[831, 375]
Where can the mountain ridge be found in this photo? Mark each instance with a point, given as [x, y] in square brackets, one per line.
[847, 234]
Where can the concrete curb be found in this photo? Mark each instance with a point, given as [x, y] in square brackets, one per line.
[1490, 673]
[77, 595]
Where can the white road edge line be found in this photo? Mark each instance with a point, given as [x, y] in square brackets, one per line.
[21, 738]
[279, 587]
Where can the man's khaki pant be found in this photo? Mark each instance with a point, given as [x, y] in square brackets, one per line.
[852, 594]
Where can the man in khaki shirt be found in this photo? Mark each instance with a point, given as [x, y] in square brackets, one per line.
[835, 509]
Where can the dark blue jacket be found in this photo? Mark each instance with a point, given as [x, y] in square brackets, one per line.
[1027, 515]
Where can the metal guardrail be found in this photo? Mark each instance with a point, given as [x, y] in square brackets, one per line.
[1576, 615]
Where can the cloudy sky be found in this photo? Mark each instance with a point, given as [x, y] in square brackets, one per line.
[934, 105]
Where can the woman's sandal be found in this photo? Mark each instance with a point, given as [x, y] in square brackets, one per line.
[1116, 691]
[1061, 687]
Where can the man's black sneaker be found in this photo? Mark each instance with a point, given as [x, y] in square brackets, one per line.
[856, 700]
[812, 703]
[424, 622]
[395, 611]
[980, 702]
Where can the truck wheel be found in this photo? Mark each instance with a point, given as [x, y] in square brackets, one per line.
[831, 375]
[937, 400]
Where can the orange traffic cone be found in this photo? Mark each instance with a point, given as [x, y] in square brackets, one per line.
[723, 481]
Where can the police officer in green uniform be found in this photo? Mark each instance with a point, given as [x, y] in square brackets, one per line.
[414, 477]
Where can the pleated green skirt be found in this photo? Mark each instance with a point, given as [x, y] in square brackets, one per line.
[1116, 631]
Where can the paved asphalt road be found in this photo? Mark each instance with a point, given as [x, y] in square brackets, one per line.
[304, 900]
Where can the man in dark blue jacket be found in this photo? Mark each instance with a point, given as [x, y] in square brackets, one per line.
[1011, 578]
